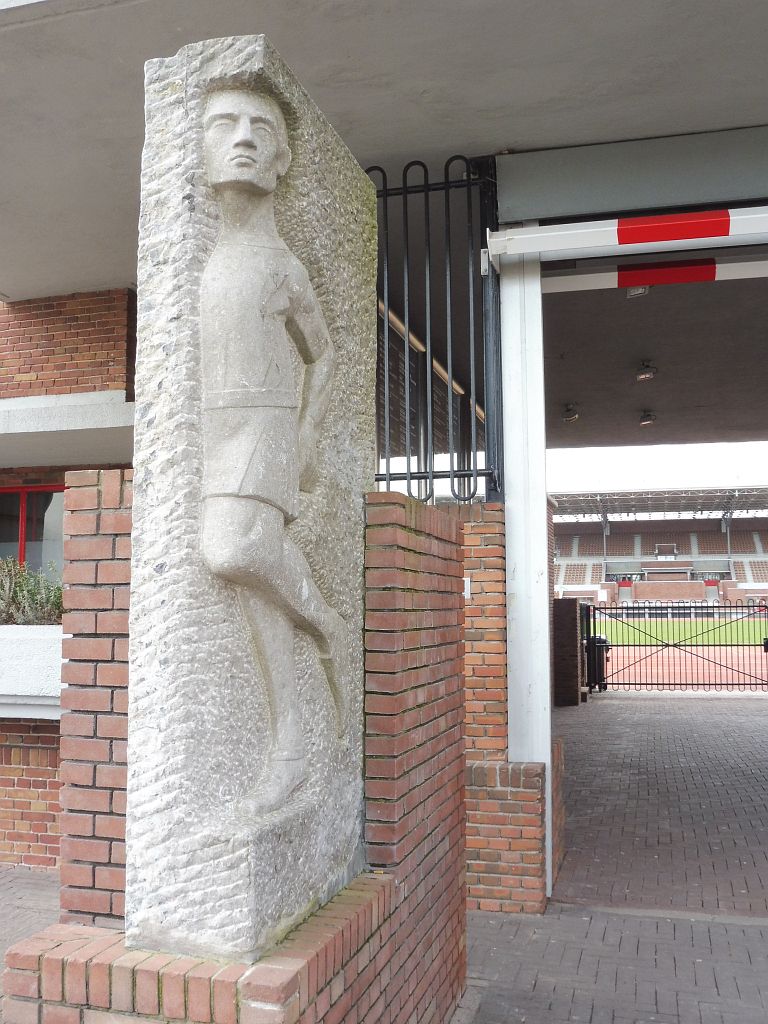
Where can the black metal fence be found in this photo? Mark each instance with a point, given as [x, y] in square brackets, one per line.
[676, 646]
[438, 375]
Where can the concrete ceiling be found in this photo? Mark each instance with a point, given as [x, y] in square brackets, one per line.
[708, 341]
[399, 80]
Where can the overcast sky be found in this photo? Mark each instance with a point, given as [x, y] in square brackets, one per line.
[658, 467]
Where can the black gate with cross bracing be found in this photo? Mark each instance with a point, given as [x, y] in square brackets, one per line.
[676, 646]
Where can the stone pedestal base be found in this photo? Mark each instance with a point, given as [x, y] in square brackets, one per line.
[334, 968]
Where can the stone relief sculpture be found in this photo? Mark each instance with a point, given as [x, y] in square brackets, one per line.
[260, 426]
[254, 447]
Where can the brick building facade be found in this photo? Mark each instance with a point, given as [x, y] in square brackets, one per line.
[29, 792]
[67, 344]
[54, 353]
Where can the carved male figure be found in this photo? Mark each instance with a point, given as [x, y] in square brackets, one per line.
[261, 418]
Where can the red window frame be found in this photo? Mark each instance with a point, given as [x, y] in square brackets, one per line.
[23, 491]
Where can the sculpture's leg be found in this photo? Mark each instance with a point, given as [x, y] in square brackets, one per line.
[325, 624]
[244, 542]
[286, 768]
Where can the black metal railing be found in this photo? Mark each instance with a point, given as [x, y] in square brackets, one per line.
[438, 373]
[677, 646]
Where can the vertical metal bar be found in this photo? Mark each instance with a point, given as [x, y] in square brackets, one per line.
[384, 268]
[449, 336]
[407, 335]
[426, 442]
[428, 337]
[22, 527]
[702, 677]
[471, 272]
[422, 371]
[485, 171]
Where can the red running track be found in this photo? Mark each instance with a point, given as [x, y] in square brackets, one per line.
[694, 667]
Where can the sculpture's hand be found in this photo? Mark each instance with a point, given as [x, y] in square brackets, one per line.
[307, 456]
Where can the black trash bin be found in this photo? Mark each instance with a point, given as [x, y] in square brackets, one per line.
[597, 662]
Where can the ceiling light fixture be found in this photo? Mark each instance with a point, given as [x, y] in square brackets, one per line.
[647, 418]
[570, 415]
[645, 371]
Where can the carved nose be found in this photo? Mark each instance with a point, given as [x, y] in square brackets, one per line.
[244, 135]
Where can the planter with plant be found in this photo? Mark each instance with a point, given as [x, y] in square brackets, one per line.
[30, 642]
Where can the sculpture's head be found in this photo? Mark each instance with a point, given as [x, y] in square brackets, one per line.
[246, 141]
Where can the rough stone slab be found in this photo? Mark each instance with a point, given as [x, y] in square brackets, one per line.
[202, 878]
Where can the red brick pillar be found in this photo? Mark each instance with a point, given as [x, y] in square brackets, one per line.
[97, 548]
[566, 645]
[414, 760]
[505, 801]
[485, 634]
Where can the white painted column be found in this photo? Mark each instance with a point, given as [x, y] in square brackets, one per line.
[525, 497]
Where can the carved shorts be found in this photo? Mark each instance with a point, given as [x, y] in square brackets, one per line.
[253, 452]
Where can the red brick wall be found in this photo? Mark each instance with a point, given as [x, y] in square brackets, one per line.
[567, 654]
[505, 801]
[485, 633]
[29, 476]
[414, 759]
[390, 947]
[29, 792]
[97, 525]
[67, 344]
[684, 590]
[505, 837]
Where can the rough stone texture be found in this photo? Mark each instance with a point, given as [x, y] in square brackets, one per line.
[202, 877]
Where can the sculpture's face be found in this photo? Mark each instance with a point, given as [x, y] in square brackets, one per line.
[246, 141]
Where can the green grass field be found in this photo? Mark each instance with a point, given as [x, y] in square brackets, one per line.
[654, 631]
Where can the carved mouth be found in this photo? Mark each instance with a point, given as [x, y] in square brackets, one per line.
[242, 158]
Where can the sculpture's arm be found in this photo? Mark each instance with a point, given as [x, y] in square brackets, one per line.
[309, 331]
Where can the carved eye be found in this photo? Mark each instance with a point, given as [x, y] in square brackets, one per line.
[221, 121]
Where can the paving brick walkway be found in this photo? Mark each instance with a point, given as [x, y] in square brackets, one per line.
[661, 909]
[667, 800]
[29, 901]
[597, 967]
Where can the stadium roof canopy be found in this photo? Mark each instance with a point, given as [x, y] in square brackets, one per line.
[690, 502]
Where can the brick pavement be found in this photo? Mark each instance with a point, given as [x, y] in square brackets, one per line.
[574, 964]
[29, 901]
[660, 912]
[666, 799]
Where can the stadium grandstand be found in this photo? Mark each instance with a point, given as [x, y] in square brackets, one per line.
[675, 545]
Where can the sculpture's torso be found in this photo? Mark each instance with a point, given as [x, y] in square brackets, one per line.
[250, 394]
